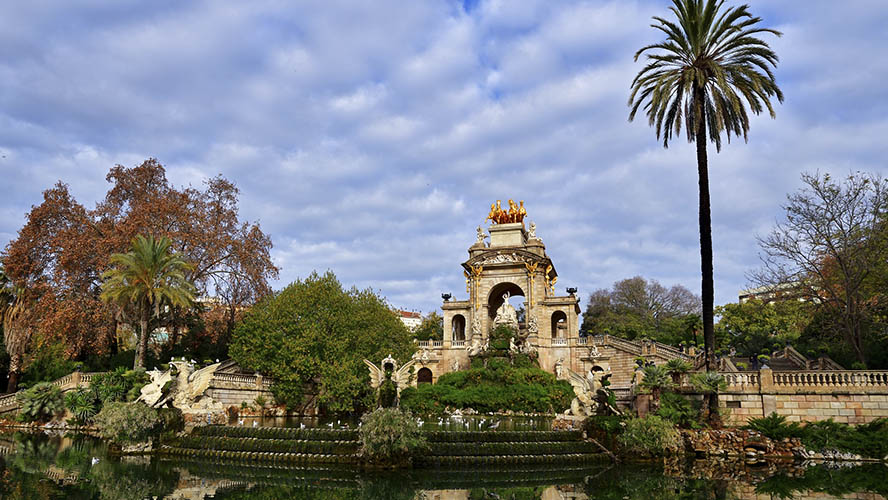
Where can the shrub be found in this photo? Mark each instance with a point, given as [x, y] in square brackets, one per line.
[119, 385]
[43, 401]
[869, 440]
[679, 410]
[390, 436]
[651, 436]
[127, 422]
[171, 420]
[82, 404]
[774, 426]
[498, 387]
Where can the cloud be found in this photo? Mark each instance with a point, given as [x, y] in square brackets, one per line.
[370, 138]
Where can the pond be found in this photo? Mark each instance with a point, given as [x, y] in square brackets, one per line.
[37, 466]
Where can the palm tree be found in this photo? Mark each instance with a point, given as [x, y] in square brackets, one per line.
[144, 280]
[711, 66]
[16, 322]
[656, 379]
[710, 384]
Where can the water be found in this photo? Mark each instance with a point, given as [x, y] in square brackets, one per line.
[37, 466]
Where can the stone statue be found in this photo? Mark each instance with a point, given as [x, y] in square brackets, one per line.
[423, 356]
[506, 314]
[513, 347]
[532, 233]
[454, 365]
[400, 376]
[590, 394]
[559, 368]
[532, 326]
[476, 326]
[481, 236]
[187, 390]
[476, 347]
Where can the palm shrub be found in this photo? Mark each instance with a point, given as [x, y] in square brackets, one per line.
[119, 385]
[656, 379]
[390, 437]
[679, 410]
[774, 426]
[43, 401]
[650, 436]
[83, 404]
[710, 384]
[126, 423]
[678, 367]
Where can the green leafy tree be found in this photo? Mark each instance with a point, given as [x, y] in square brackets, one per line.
[315, 335]
[656, 379]
[431, 328]
[145, 280]
[710, 68]
[755, 327]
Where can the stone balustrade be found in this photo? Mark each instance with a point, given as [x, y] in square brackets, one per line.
[811, 381]
[559, 341]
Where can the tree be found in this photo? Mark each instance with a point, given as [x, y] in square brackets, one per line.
[755, 327]
[313, 337]
[431, 328]
[17, 330]
[64, 247]
[830, 248]
[143, 281]
[709, 69]
[637, 307]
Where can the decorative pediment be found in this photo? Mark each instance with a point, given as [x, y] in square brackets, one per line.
[504, 257]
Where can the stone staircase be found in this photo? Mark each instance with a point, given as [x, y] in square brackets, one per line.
[341, 446]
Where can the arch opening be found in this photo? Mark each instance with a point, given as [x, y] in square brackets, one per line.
[559, 325]
[495, 298]
[458, 328]
[424, 376]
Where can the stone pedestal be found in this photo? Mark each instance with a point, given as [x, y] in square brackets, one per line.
[507, 235]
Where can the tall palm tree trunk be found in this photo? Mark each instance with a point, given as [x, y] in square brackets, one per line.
[143, 338]
[15, 364]
[705, 232]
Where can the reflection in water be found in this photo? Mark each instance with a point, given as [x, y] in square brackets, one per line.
[34, 466]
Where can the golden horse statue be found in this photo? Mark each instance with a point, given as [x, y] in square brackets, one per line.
[515, 213]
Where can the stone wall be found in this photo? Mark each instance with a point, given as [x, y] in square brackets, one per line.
[848, 396]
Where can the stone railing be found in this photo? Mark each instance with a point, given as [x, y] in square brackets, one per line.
[9, 402]
[808, 381]
[582, 340]
[437, 343]
[235, 378]
[459, 343]
[559, 341]
[424, 343]
[741, 381]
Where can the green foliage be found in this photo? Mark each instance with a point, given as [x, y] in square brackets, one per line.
[431, 328]
[390, 436]
[119, 385]
[656, 378]
[678, 366]
[868, 440]
[650, 436]
[41, 402]
[709, 382]
[83, 404]
[127, 422]
[48, 364]
[774, 426]
[754, 326]
[497, 387]
[316, 330]
[679, 410]
[388, 393]
[260, 401]
[171, 420]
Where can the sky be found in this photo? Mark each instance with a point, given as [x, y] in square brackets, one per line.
[370, 138]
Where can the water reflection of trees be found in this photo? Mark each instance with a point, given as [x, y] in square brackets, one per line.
[43, 468]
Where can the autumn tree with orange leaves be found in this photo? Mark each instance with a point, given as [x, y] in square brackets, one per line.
[63, 249]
